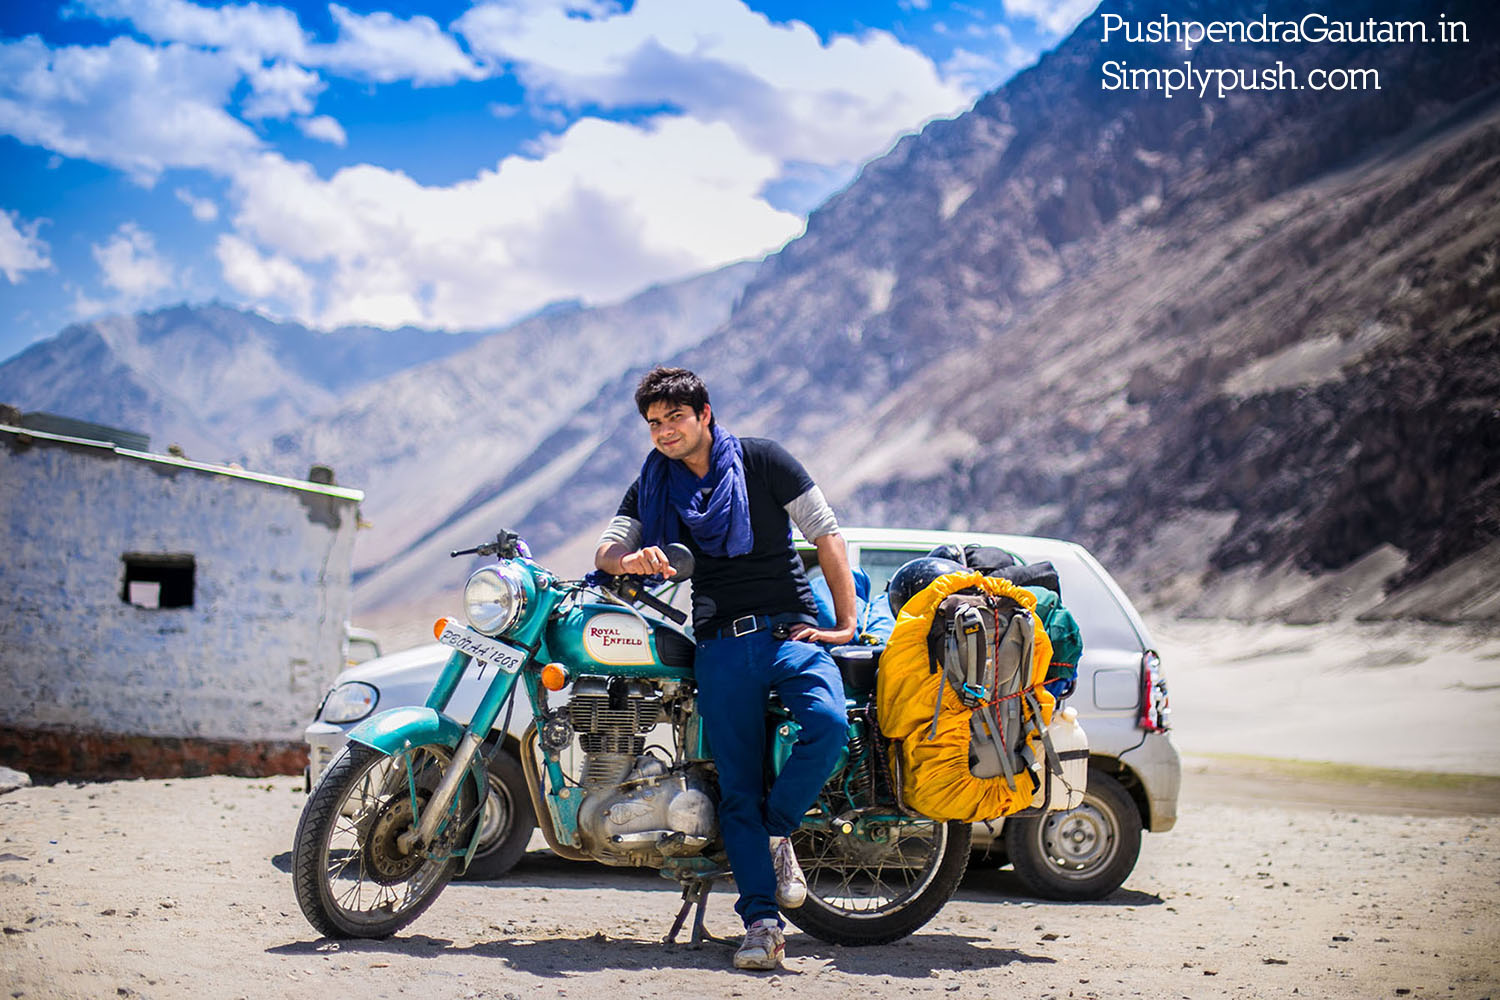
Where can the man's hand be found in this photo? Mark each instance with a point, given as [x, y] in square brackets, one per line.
[832, 636]
[646, 562]
[833, 560]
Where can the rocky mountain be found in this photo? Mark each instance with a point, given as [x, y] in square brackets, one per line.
[1246, 348]
[422, 421]
[430, 442]
[1230, 344]
[212, 379]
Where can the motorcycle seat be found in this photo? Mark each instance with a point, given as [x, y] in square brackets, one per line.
[858, 665]
[674, 648]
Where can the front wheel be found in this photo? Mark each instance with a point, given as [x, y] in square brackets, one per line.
[1084, 853]
[352, 868]
[880, 882]
[507, 822]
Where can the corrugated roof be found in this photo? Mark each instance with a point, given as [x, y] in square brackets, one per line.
[301, 485]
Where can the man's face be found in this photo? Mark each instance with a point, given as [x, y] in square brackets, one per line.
[678, 432]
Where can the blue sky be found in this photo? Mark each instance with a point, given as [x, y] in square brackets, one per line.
[450, 165]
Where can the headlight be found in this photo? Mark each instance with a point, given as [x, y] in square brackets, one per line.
[350, 702]
[494, 598]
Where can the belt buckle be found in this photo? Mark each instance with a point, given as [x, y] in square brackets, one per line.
[736, 631]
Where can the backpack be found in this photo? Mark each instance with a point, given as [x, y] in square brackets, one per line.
[1042, 581]
[959, 692]
[983, 644]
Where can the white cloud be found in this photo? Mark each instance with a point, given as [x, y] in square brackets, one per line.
[85, 307]
[378, 46]
[273, 32]
[777, 85]
[263, 277]
[1056, 17]
[130, 264]
[203, 209]
[136, 107]
[21, 250]
[280, 90]
[974, 70]
[984, 71]
[384, 48]
[607, 208]
[323, 128]
[596, 211]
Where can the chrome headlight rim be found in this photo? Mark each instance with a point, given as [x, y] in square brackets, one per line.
[349, 702]
[494, 598]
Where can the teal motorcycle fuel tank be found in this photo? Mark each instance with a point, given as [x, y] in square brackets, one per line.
[603, 639]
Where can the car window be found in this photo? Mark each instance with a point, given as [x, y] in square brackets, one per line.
[880, 564]
[1100, 617]
[361, 651]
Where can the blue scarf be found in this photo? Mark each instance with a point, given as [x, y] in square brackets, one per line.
[718, 522]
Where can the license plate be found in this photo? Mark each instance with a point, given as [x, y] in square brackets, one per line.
[502, 654]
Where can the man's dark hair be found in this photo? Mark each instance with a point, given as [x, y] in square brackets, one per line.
[673, 386]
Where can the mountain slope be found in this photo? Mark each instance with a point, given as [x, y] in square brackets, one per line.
[211, 378]
[425, 442]
[1264, 325]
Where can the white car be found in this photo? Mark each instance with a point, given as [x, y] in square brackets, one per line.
[1084, 853]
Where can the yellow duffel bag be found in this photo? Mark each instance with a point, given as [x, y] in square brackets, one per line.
[932, 729]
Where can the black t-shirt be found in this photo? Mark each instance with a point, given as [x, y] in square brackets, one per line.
[767, 580]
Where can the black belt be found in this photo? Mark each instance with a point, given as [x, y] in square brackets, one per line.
[780, 625]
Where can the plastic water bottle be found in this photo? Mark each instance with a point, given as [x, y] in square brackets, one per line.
[1071, 744]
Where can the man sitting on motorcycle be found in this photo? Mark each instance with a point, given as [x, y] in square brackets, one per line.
[732, 502]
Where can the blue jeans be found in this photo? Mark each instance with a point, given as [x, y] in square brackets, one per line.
[735, 677]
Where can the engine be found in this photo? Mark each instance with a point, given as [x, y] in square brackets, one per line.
[636, 807]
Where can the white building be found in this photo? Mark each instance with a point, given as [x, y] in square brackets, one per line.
[163, 616]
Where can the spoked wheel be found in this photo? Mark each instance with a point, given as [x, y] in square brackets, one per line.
[879, 883]
[353, 867]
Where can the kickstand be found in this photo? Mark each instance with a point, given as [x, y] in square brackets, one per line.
[695, 892]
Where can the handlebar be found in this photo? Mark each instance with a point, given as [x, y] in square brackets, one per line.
[631, 589]
[507, 545]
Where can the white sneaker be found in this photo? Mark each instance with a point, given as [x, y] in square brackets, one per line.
[791, 884]
[764, 946]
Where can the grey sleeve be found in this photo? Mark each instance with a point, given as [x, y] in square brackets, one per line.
[812, 515]
[622, 529]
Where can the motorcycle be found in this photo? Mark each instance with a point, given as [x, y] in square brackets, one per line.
[396, 815]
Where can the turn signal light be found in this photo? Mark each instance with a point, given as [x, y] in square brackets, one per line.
[555, 677]
[438, 627]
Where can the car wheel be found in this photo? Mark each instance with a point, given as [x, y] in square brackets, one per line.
[1084, 853]
[506, 823]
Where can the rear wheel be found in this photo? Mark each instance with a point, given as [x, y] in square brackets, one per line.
[352, 869]
[879, 883]
[1084, 853]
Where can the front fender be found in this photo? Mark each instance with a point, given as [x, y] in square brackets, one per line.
[397, 729]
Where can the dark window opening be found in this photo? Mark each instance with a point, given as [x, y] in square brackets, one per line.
[155, 581]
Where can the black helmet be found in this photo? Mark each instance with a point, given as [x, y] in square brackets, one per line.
[949, 551]
[916, 575]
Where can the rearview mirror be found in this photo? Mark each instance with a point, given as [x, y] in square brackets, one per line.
[681, 559]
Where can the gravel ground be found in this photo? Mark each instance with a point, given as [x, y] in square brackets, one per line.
[180, 889]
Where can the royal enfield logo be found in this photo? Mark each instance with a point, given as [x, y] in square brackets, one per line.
[618, 639]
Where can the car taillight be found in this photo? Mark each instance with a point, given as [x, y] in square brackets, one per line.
[1156, 710]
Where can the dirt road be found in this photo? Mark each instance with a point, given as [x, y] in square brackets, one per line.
[102, 894]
